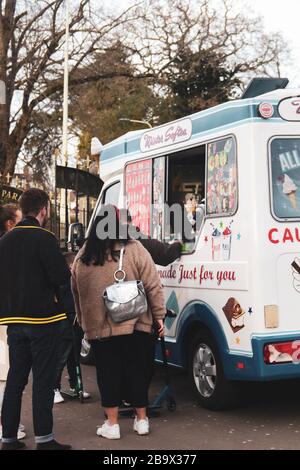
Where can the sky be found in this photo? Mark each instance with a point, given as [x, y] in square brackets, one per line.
[283, 17]
[278, 16]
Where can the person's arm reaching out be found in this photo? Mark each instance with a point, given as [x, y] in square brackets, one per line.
[149, 277]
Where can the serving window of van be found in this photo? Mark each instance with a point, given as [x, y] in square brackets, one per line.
[201, 181]
[185, 192]
[285, 177]
[178, 191]
[169, 196]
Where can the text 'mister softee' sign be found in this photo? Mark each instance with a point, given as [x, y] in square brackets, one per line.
[164, 136]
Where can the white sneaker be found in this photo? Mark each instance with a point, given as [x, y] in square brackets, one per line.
[75, 393]
[58, 398]
[21, 433]
[141, 426]
[110, 431]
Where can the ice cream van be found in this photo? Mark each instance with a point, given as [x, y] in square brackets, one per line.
[235, 291]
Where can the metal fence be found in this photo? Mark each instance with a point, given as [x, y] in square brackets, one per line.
[61, 219]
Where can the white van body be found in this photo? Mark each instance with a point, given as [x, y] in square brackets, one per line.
[236, 293]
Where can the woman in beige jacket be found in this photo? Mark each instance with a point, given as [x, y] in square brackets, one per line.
[123, 351]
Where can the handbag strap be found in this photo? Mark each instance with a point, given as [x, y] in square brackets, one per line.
[120, 269]
[121, 258]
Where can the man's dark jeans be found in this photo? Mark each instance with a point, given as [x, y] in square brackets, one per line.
[33, 347]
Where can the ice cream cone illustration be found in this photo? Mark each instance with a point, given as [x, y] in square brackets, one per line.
[216, 245]
[289, 189]
[293, 200]
[235, 314]
[226, 244]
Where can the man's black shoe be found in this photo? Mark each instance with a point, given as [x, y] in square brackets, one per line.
[16, 445]
[52, 445]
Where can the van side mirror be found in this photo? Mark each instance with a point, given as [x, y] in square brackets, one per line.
[76, 236]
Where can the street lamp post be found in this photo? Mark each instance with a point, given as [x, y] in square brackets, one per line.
[137, 121]
[66, 111]
[66, 87]
[56, 154]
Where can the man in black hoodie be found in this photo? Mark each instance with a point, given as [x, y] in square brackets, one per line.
[32, 269]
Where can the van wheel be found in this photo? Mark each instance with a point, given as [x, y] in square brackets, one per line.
[212, 389]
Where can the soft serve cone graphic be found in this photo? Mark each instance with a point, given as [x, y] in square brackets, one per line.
[216, 245]
[289, 189]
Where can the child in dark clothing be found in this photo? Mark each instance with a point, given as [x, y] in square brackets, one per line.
[72, 337]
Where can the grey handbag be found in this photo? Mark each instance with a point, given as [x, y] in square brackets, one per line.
[124, 300]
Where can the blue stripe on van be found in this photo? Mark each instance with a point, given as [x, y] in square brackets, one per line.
[221, 118]
[224, 129]
[202, 122]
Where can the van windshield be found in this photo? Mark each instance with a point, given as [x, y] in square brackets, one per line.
[285, 177]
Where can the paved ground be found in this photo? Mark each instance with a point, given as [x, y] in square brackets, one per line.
[269, 419]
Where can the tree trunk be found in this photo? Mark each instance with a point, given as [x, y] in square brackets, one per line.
[4, 137]
[6, 25]
[3, 105]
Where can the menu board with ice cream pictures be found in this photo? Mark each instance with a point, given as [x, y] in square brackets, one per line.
[221, 177]
[158, 197]
[138, 194]
[285, 177]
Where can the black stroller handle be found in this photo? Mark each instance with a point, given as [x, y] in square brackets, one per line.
[166, 395]
[170, 313]
[165, 360]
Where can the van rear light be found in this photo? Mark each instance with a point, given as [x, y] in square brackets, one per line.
[277, 353]
[240, 365]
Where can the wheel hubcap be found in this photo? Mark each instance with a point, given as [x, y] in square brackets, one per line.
[204, 370]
